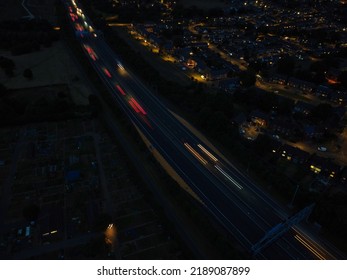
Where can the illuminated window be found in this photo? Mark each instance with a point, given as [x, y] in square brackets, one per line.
[315, 169]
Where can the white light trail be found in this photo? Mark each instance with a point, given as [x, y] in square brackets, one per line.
[208, 153]
[195, 153]
[226, 175]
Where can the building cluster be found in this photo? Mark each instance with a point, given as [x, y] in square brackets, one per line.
[324, 92]
[219, 48]
[280, 128]
[250, 31]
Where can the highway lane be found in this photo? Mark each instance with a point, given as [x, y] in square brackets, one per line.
[185, 167]
[165, 145]
[182, 132]
[156, 117]
[172, 123]
[245, 216]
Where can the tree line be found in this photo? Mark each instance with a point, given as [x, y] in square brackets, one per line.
[26, 35]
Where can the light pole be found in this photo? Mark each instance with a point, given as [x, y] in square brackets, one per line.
[293, 198]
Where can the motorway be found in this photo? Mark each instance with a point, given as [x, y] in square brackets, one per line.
[245, 211]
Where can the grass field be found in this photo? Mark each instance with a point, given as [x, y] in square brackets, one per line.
[50, 66]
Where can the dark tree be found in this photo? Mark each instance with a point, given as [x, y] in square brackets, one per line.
[9, 72]
[95, 104]
[343, 78]
[285, 106]
[31, 212]
[3, 91]
[27, 73]
[215, 12]
[286, 65]
[62, 94]
[217, 124]
[329, 212]
[321, 112]
[263, 144]
[204, 115]
[247, 78]
[6, 63]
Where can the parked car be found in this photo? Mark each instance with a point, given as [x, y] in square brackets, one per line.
[322, 149]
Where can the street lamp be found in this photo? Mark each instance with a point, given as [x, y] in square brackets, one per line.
[293, 198]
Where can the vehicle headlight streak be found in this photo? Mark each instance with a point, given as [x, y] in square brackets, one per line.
[212, 157]
[314, 245]
[195, 153]
[208, 153]
[226, 175]
[308, 246]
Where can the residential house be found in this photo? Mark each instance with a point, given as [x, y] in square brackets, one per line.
[183, 54]
[142, 30]
[229, 85]
[313, 131]
[201, 45]
[284, 126]
[201, 66]
[339, 97]
[278, 79]
[343, 177]
[303, 108]
[334, 121]
[323, 92]
[294, 154]
[260, 118]
[154, 40]
[305, 86]
[332, 76]
[168, 47]
[217, 74]
[324, 167]
[276, 146]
